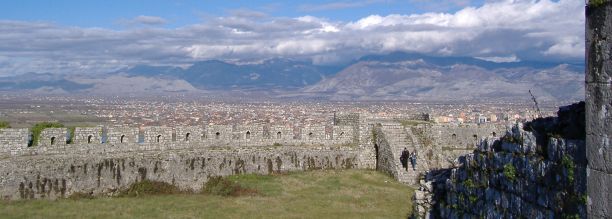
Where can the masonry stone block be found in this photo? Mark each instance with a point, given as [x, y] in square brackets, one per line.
[50, 137]
[87, 135]
[122, 135]
[189, 133]
[13, 139]
[158, 134]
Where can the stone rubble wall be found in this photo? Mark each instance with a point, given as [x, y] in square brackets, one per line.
[87, 135]
[514, 177]
[386, 161]
[90, 163]
[442, 144]
[53, 137]
[56, 174]
[215, 135]
[116, 135]
[13, 140]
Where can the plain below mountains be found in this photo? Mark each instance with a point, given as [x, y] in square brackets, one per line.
[395, 76]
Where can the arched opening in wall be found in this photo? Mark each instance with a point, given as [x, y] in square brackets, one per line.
[279, 135]
[89, 139]
[310, 135]
[187, 136]
[454, 136]
[475, 137]
[122, 138]
[494, 134]
[203, 136]
[376, 156]
[52, 140]
[217, 135]
[248, 135]
[158, 138]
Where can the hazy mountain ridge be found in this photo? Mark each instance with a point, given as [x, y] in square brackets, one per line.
[214, 74]
[395, 76]
[371, 79]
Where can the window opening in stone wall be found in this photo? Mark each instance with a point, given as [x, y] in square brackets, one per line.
[187, 136]
[203, 136]
[454, 136]
[248, 135]
[494, 134]
[89, 139]
[475, 137]
[310, 135]
[158, 138]
[173, 136]
[217, 135]
[279, 135]
[121, 138]
[52, 140]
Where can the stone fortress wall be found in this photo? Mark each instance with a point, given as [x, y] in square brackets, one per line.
[15, 141]
[103, 160]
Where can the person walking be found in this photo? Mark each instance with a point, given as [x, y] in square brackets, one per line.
[404, 158]
[413, 159]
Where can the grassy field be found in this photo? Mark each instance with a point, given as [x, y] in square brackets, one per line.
[315, 194]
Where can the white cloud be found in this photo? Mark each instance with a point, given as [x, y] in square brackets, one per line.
[524, 29]
[145, 20]
[337, 5]
[501, 59]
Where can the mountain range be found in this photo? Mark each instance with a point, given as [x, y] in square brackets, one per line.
[394, 76]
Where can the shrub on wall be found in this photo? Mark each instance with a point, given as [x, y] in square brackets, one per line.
[510, 172]
[4, 124]
[38, 127]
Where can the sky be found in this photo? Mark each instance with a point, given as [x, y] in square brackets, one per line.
[73, 36]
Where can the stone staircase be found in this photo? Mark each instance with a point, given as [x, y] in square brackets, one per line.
[399, 138]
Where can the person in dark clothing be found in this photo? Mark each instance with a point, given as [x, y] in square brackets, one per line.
[404, 158]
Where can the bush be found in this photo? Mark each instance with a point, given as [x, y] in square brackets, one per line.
[469, 184]
[568, 164]
[147, 187]
[510, 172]
[223, 187]
[4, 124]
[38, 127]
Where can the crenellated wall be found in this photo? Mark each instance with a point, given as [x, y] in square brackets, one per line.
[103, 160]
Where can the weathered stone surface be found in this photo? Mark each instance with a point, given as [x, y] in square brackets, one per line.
[601, 200]
[502, 179]
[53, 137]
[598, 106]
[60, 175]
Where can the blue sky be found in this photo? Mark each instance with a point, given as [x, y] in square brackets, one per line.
[111, 13]
[63, 36]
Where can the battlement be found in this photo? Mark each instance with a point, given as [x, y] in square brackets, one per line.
[15, 140]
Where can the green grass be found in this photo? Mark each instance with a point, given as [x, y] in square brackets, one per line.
[314, 194]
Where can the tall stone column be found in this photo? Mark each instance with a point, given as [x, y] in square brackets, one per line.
[599, 107]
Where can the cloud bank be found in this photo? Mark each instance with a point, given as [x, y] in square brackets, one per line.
[526, 30]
